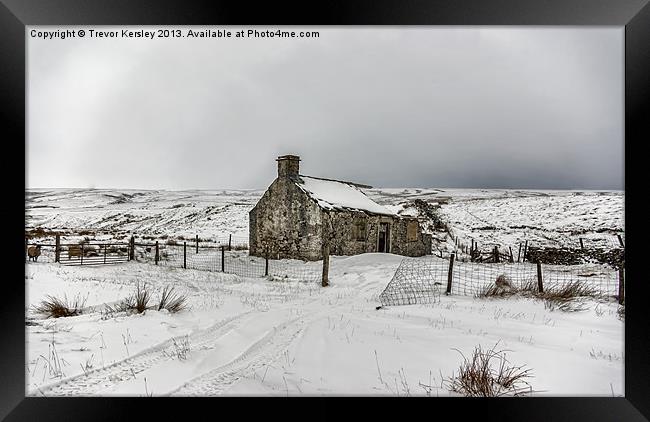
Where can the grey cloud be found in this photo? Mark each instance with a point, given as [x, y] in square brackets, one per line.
[388, 106]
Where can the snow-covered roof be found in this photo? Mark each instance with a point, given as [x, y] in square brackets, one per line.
[338, 195]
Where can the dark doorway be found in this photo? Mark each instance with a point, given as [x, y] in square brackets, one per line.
[384, 238]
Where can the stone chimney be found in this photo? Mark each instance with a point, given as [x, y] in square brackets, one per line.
[288, 165]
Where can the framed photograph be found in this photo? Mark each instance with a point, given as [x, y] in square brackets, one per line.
[384, 202]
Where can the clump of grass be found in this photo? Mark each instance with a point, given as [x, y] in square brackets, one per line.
[138, 302]
[489, 374]
[567, 297]
[527, 288]
[181, 348]
[54, 307]
[172, 301]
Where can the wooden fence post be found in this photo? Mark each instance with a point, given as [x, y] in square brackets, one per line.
[197, 243]
[157, 253]
[450, 273]
[184, 254]
[132, 246]
[525, 250]
[621, 285]
[229, 241]
[512, 258]
[57, 249]
[620, 240]
[266, 258]
[104, 253]
[326, 265]
[519, 253]
[223, 259]
[582, 245]
[540, 284]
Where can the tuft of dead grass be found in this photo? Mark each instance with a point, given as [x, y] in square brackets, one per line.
[566, 297]
[138, 302]
[172, 301]
[54, 307]
[489, 374]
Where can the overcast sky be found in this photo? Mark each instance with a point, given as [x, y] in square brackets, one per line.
[493, 107]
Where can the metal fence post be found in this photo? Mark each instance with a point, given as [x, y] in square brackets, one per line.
[223, 259]
[582, 245]
[519, 253]
[184, 254]
[157, 253]
[450, 273]
[197, 243]
[229, 241]
[540, 284]
[104, 253]
[266, 258]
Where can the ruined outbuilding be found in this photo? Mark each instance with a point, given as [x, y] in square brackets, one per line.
[298, 215]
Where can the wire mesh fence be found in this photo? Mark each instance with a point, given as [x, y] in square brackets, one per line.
[236, 262]
[494, 251]
[421, 280]
[228, 255]
[417, 280]
[471, 278]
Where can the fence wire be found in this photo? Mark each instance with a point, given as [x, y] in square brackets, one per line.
[472, 278]
[235, 262]
[417, 280]
[421, 280]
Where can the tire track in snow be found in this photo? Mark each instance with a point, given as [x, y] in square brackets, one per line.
[262, 353]
[100, 379]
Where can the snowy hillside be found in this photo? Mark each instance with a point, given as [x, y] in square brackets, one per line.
[501, 217]
[258, 336]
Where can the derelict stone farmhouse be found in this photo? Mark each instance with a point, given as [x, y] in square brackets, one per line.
[298, 215]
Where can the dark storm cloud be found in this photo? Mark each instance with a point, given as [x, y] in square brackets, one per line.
[388, 106]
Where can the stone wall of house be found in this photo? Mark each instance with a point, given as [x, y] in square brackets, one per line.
[340, 227]
[345, 242]
[286, 223]
[401, 245]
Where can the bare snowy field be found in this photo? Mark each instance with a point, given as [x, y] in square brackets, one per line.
[252, 336]
[502, 217]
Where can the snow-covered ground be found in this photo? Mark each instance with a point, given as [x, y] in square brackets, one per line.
[253, 336]
[490, 217]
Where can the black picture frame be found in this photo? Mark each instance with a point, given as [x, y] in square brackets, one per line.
[634, 15]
